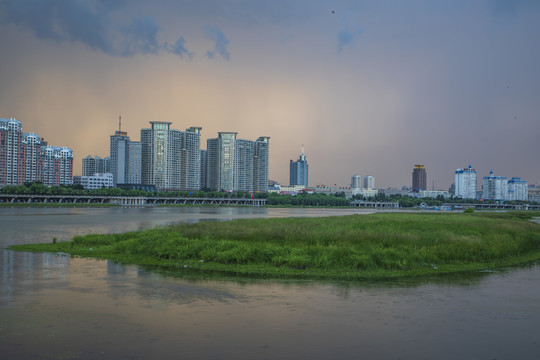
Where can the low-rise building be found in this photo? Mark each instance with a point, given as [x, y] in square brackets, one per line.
[96, 181]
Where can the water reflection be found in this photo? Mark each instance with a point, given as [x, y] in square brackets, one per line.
[71, 308]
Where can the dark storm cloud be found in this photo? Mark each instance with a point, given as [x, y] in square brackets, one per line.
[179, 48]
[140, 37]
[221, 43]
[85, 22]
[514, 6]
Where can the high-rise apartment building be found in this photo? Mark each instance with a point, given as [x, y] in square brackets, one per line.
[160, 156]
[260, 164]
[134, 161]
[465, 183]
[32, 157]
[57, 165]
[356, 182]
[243, 167]
[237, 164]
[495, 187]
[203, 167]
[170, 158]
[298, 170]
[11, 160]
[419, 178]
[88, 166]
[221, 162]
[369, 182]
[91, 165]
[518, 189]
[191, 159]
[26, 157]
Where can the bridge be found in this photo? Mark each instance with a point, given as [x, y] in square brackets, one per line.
[501, 206]
[128, 200]
[375, 204]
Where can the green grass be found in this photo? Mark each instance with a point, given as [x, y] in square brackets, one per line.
[380, 245]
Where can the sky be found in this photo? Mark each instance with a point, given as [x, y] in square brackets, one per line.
[366, 87]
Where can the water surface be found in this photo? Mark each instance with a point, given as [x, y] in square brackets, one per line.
[57, 307]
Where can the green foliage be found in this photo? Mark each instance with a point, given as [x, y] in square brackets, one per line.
[305, 199]
[381, 244]
[37, 188]
[469, 210]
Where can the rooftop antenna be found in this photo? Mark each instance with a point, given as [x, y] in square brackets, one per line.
[302, 149]
[120, 123]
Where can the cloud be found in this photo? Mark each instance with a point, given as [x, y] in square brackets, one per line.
[179, 48]
[346, 36]
[87, 22]
[221, 43]
[512, 7]
[140, 37]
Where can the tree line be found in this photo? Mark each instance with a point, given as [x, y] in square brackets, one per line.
[302, 199]
[38, 188]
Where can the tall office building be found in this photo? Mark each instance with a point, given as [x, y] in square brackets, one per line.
[119, 152]
[465, 183]
[419, 178]
[170, 158]
[495, 187]
[369, 182]
[518, 189]
[356, 182]
[237, 164]
[298, 170]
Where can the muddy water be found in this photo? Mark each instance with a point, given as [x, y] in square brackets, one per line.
[57, 307]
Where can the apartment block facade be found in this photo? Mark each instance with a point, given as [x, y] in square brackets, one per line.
[465, 183]
[25, 157]
[234, 164]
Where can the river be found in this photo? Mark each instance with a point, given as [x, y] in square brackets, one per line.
[57, 307]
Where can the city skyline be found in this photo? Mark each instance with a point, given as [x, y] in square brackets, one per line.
[367, 87]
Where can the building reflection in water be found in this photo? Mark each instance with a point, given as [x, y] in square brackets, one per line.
[24, 271]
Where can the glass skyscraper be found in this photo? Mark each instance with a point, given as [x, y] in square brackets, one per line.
[419, 178]
[299, 171]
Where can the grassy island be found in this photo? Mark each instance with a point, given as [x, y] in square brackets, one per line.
[380, 245]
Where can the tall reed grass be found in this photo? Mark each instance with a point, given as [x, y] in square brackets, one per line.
[404, 242]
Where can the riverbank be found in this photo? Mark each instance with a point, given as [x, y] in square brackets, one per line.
[51, 204]
[381, 245]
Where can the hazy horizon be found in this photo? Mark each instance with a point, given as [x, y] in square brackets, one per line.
[367, 87]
